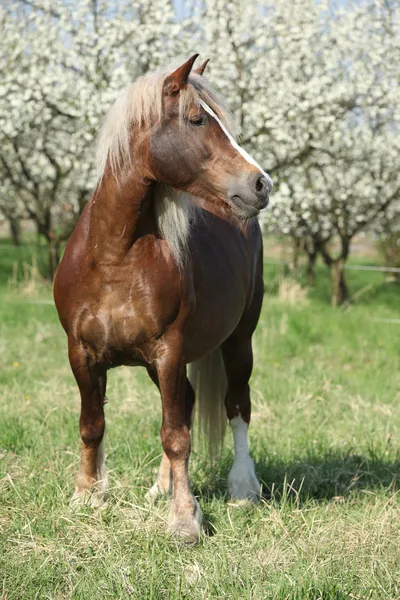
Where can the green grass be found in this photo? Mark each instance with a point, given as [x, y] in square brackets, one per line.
[324, 435]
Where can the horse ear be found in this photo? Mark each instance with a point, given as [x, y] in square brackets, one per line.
[178, 79]
[200, 69]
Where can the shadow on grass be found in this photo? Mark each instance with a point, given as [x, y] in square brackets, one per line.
[313, 591]
[320, 477]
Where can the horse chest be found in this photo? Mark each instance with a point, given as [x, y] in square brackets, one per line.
[126, 318]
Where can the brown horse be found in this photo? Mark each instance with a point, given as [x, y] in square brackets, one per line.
[165, 269]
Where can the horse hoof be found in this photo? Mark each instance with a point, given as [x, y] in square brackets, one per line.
[80, 498]
[186, 527]
[153, 493]
[244, 487]
[90, 497]
[185, 531]
[98, 498]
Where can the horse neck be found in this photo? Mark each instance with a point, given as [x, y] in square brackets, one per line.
[116, 213]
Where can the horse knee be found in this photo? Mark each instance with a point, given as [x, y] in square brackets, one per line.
[176, 442]
[92, 432]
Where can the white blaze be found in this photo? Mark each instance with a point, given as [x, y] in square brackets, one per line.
[241, 151]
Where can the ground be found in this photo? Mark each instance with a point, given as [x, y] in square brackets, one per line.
[325, 436]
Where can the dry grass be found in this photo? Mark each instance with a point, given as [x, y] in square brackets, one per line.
[291, 292]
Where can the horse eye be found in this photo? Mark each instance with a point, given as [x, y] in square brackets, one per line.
[197, 121]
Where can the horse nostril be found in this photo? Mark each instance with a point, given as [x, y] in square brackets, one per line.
[260, 183]
[263, 185]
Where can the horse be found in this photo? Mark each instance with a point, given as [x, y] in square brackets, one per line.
[164, 271]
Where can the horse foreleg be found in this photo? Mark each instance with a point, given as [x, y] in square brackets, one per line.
[185, 518]
[164, 481]
[238, 358]
[91, 482]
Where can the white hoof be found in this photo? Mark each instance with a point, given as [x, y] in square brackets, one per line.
[186, 524]
[99, 498]
[243, 484]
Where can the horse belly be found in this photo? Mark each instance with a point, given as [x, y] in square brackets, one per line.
[223, 260]
[217, 315]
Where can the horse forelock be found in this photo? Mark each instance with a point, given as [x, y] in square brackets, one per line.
[140, 106]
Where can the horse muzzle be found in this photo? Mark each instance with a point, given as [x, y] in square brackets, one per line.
[251, 196]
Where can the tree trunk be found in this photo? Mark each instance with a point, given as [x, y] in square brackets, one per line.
[39, 232]
[312, 258]
[340, 294]
[296, 254]
[15, 230]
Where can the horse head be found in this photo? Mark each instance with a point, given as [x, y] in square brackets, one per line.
[193, 148]
[172, 128]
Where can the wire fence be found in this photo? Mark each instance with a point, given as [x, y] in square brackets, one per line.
[286, 263]
[350, 267]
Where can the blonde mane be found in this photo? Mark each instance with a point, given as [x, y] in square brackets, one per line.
[175, 213]
[139, 108]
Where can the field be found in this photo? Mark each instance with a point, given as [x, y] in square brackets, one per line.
[325, 437]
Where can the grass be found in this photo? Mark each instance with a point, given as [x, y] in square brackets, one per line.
[324, 436]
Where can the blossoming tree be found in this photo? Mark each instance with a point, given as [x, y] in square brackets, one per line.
[63, 65]
[315, 90]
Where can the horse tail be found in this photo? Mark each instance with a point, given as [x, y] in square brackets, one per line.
[208, 379]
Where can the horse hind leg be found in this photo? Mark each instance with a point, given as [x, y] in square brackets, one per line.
[164, 482]
[238, 358]
[91, 483]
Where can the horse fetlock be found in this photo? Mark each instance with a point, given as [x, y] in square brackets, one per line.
[91, 491]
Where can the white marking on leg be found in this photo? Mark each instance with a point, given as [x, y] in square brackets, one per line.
[102, 479]
[242, 481]
[164, 482]
[241, 150]
[99, 495]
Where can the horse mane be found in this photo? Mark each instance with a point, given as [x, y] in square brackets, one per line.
[175, 213]
[138, 108]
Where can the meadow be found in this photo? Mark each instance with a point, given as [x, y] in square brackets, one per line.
[325, 437]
